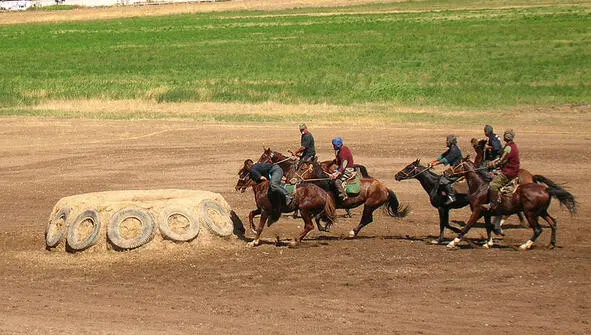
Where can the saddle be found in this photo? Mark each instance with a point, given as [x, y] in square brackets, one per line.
[510, 187]
[353, 184]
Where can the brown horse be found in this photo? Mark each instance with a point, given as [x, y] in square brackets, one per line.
[532, 199]
[373, 194]
[309, 199]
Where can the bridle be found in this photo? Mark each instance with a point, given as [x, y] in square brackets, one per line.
[415, 168]
[269, 158]
[309, 169]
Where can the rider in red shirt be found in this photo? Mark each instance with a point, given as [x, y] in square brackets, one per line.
[345, 170]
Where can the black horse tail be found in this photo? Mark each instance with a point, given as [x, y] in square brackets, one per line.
[394, 208]
[558, 192]
[363, 171]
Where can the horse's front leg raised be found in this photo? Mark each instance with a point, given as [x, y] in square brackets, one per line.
[251, 216]
[259, 230]
[476, 214]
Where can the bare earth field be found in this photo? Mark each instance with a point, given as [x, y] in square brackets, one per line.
[388, 280]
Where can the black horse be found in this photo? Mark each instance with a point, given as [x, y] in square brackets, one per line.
[430, 182]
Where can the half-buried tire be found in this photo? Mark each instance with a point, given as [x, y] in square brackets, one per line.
[130, 228]
[84, 231]
[178, 225]
[217, 220]
[56, 227]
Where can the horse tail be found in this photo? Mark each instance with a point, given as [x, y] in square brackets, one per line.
[363, 171]
[394, 208]
[558, 192]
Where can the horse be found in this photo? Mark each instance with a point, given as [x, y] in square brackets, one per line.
[290, 164]
[532, 199]
[430, 182]
[309, 199]
[373, 194]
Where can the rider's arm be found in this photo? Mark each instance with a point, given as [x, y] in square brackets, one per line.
[503, 160]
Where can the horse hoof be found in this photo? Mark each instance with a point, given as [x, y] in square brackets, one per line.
[252, 244]
[352, 234]
[436, 241]
[293, 244]
[453, 243]
[527, 245]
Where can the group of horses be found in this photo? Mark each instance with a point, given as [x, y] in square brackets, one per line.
[316, 197]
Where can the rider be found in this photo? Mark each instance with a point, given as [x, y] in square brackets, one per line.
[493, 146]
[509, 164]
[344, 161]
[452, 156]
[260, 171]
[307, 151]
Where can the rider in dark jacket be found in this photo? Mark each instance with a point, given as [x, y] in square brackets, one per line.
[452, 156]
[307, 151]
[259, 173]
[493, 147]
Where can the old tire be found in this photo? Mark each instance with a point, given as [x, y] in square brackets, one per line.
[56, 227]
[126, 243]
[217, 220]
[79, 243]
[169, 232]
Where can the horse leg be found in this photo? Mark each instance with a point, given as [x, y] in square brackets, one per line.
[553, 225]
[259, 230]
[348, 213]
[476, 214]
[366, 219]
[251, 216]
[308, 226]
[532, 218]
[444, 223]
[488, 224]
[522, 220]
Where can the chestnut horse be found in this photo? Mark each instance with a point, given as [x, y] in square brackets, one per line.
[373, 194]
[309, 199]
[532, 199]
[525, 177]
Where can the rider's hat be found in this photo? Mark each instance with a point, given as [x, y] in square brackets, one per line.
[509, 135]
[303, 126]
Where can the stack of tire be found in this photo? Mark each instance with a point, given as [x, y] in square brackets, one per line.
[126, 220]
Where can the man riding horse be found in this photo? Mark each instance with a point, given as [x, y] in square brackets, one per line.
[509, 164]
[345, 166]
[307, 151]
[259, 172]
[452, 156]
[493, 146]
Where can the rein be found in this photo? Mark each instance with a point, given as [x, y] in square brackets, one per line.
[407, 175]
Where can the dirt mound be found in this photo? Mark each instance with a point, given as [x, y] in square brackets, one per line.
[125, 220]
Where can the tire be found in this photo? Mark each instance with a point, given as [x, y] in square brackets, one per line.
[74, 243]
[166, 230]
[56, 228]
[145, 236]
[223, 226]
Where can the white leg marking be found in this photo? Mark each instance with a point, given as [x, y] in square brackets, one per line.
[453, 243]
[526, 245]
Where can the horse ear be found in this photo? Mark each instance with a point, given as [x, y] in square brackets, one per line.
[418, 160]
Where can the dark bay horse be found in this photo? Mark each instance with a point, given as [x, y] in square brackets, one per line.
[309, 199]
[430, 182]
[532, 199]
[373, 194]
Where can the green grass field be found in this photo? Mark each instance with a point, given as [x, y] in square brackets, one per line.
[436, 54]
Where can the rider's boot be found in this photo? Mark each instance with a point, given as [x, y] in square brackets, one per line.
[495, 206]
[341, 189]
[451, 198]
[288, 200]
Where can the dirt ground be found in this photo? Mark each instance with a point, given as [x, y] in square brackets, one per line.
[388, 280]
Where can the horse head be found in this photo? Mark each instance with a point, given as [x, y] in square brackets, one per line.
[410, 171]
[465, 166]
[244, 180]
